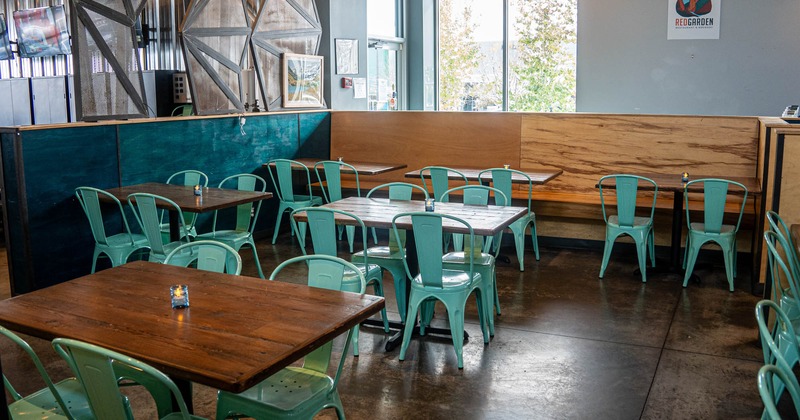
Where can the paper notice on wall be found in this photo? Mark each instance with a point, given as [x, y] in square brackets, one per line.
[359, 88]
[693, 19]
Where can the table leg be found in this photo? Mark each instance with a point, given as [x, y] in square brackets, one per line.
[4, 411]
[185, 387]
[677, 229]
[174, 226]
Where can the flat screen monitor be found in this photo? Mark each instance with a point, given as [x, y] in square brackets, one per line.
[5, 46]
[42, 32]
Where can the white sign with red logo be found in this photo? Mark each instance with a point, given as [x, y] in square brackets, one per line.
[693, 19]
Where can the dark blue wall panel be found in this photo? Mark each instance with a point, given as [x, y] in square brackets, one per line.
[49, 240]
[54, 163]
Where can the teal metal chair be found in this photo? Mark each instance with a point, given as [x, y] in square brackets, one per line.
[332, 189]
[779, 343]
[118, 247]
[483, 261]
[768, 376]
[501, 179]
[64, 399]
[322, 224]
[389, 258]
[626, 222]
[783, 291]
[712, 228]
[188, 177]
[280, 172]
[311, 390]
[785, 280]
[246, 217]
[145, 209]
[95, 368]
[439, 177]
[207, 255]
[451, 287]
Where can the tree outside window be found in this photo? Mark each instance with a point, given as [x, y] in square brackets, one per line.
[541, 55]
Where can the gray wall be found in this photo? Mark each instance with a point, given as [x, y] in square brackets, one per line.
[627, 65]
[342, 19]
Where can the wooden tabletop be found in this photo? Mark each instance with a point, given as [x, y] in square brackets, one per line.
[673, 183]
[237, 331]
[538, 176]
[363, 168]
[378, 212]
[212, 198]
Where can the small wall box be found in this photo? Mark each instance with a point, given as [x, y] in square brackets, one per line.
[347, 82]
[180, 88]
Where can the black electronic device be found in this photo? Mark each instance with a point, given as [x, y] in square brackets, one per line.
[791, 111]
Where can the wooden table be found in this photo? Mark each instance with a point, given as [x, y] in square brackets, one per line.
[362, 168]
[672, 183]
[538, 176]
[379, 212]
[237, 332]
[212, 199]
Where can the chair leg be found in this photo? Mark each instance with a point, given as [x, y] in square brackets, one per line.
[534, 239]
[484, 315]
[519, 242]
[606, 255]
[652, 243]
[399, 278]
[641, 254]
[408, 329]
[692, 253]
[94, 259]
[378, 291]
[496, 293]
[281, 209]
[256, 260]
[351, 233]
[456, 317]
[374, 236]
[727, 256]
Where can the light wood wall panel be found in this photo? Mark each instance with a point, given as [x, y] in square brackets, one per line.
[419, 139]
[588, 146]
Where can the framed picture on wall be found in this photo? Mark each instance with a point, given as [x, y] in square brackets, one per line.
[346, 56]
[302, 80]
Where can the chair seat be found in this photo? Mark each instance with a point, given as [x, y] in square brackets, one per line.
[123, 239]
[289, 389]
[451, 279]
[178, 258]
[307, 200]
[638, 221]
[43, 402]
[373, 272]
[461, 257]
[229, 237]
[725, 229]
[382, 252]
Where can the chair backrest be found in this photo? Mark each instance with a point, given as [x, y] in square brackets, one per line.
[715, 196]
[768, 377]
[440, 180]
[502, 179]
[778, 226]
[145, 209]
[478, 195]
[280, 172]
[322, 224]
[94, 368]
[428, 232]
[780, 266]
[209, 255]
[769, 336]
[188, 177]
[332, 186]
[627, 190]
[326, 272]
[246, 217]
[89, 200]
[39, 367]
[399, 190]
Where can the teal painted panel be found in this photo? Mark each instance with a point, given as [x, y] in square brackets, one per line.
[151, 152]
[315, 135]
[56, 161]
[13, 231]
[154, 151]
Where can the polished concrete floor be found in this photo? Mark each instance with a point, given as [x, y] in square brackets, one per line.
[568, 345]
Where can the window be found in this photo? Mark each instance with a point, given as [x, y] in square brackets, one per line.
[384, 55]
[535, 73]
